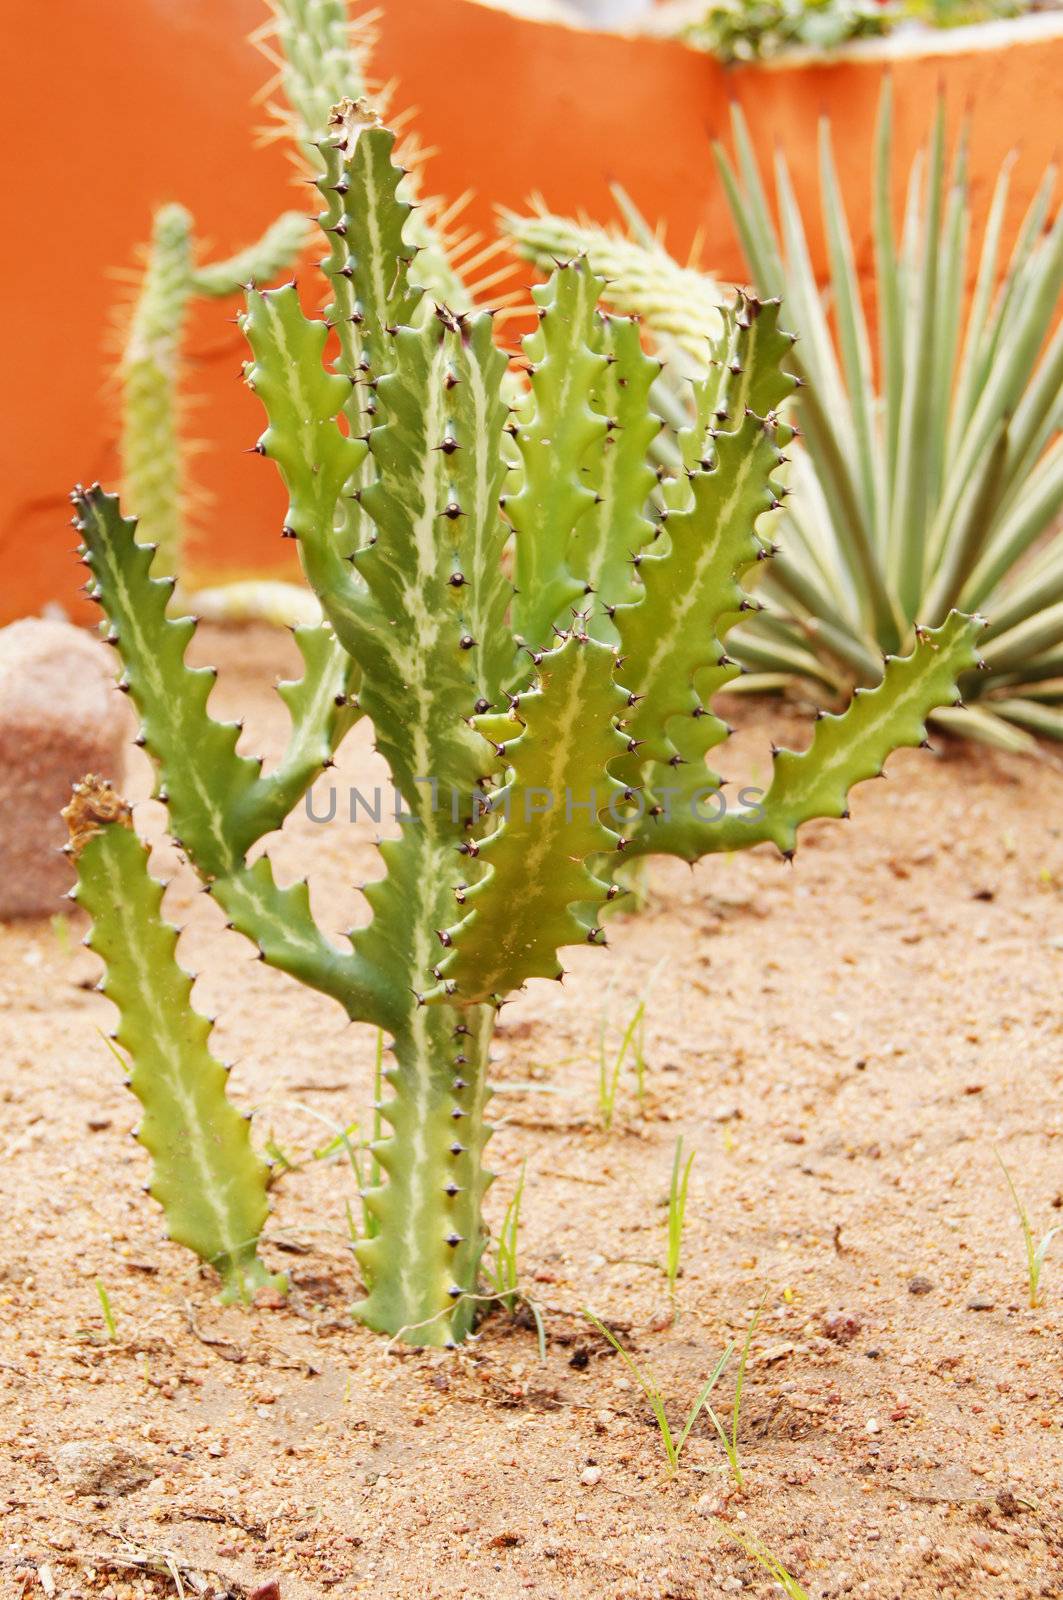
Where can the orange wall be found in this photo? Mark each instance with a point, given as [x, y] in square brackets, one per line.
[105, 119]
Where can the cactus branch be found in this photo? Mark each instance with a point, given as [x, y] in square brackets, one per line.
[206, 1175]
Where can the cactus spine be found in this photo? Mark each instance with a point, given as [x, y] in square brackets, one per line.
[538, 735]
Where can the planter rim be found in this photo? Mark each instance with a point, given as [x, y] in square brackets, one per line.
[925, 43]
[904, 43]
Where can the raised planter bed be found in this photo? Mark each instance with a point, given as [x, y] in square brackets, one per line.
[510, 105]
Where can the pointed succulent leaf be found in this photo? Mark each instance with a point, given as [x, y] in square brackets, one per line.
[206, 1175]
[538, 892]
[556, 431]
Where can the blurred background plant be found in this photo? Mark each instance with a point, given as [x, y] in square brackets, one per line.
[320, 56]
[755, 30]
[929, 474]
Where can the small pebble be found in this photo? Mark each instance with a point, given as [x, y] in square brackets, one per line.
[590, 1476]
[873, 1425]
[980, 1302]
[842, 1327]
[920, 1284]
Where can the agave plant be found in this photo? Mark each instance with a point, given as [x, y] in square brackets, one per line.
[538, 732]
[933, 476]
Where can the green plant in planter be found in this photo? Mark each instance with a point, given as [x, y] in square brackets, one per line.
[752, 30]
[755, 30]
[941, 486]
[538, 732]
[321, 56]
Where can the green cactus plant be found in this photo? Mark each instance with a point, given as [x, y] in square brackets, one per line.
[941, 487]
[321, 56]
[150, 376]
[539, 732]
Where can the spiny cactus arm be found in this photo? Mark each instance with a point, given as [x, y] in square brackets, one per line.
[554, 436]
[423, 608]
[538, 892]
[323, 707]
[316, 460]
[275, 252]
[364, 219]
[679, 305]
[218, 802]
[434, 568]
[692, 593]
[845, 750]
[747, 370]
[151, 364]
[149, 373]
[206, 1175]
[205, 783]
[608, 539]
[280, 922]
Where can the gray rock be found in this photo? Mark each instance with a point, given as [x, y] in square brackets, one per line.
[59, 719]
[92, 1466]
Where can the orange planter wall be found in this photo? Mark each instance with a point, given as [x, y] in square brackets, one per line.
[510, 106]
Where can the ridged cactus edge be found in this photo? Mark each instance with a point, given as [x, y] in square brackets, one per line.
[544, 718]
[206, 1175]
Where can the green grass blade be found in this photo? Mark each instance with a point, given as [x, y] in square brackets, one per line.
[699, 1403]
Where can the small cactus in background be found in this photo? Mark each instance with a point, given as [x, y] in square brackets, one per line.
[538, 732]
[680, 303]
[150, 375]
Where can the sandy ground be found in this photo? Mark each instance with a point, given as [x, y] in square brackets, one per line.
[844, 1044]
